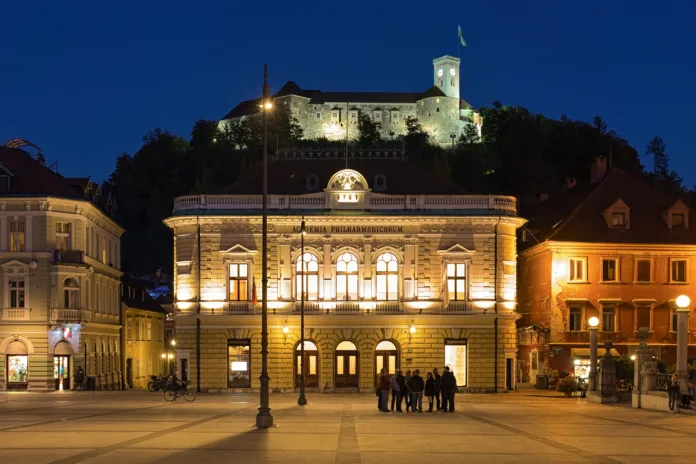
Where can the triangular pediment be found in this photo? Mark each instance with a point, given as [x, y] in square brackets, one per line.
[618, 205]
[15, 263]
[239, 249]
[456, 248]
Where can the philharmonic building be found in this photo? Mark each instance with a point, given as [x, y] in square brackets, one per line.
[400, 270]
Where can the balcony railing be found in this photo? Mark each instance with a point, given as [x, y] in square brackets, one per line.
[15, 314]
[69, 256]
[70, 315]
[309, 307]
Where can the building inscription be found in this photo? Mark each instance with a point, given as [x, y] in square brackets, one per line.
[351, 229]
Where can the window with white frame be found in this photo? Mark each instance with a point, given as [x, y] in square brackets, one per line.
[71, 293]
[63, 230]
[456, 281]
[377, 116]
[609, 315]
[387, 277]
[307, 277]
[347, 277]
[643, 270]
[578, 270]
[677, 270]
[610, 270]
[16, 289]
[239, 278]
[575, 311]
[130, 330]
[16, 236]
[395, 116]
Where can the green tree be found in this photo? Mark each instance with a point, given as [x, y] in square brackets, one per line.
[664, 179]
[368, 130]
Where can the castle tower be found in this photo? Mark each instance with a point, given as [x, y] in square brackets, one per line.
[446, 75]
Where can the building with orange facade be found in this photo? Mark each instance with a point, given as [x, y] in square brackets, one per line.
[614, 248]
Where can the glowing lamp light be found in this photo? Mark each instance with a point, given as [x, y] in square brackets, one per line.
[164, 356]
[593, 321]
[577, 362]
[633, 357]
[285, 329]
[412, 329]
[170, 356]
[683, 301]
[173, 342]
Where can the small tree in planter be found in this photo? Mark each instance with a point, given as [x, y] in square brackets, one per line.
[567, 385]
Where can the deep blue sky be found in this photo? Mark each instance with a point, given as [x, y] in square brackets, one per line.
[86, 82]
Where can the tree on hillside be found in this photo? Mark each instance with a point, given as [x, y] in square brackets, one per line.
[368, 130]
[664, 179]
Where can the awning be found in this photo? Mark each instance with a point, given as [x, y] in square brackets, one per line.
[585, 352]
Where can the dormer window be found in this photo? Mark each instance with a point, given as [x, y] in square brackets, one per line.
[677, 216]
[618, 215]
[678, 221]
[618, 220]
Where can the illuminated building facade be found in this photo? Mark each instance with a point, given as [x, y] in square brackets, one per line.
[613, 248]
[401, 271]
[334, 115]
[59, 261]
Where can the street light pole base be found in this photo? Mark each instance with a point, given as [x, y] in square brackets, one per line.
[264, 420]
[302, 401]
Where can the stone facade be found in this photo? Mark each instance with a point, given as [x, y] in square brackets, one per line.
[59, 293]
[143, 345]
[421, 316]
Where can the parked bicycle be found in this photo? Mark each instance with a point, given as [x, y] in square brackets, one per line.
[157, 383]
[171, 394]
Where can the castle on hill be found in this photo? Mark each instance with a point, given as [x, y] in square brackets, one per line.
[334, 115]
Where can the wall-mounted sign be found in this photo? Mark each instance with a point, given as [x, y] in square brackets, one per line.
[556, 350]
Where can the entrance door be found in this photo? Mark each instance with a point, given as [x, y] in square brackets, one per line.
[508, 373]
[311, 365]
[61, 372]
[346, 365]
[386, 357]
[533, 366]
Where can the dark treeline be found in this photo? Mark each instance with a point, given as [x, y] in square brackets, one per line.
[518, 153]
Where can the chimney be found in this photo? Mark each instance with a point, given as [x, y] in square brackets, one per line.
[543, 196]
[569, 182]
[598, 169]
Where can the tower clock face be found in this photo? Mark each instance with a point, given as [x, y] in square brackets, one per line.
[452, 72]
[439, 73]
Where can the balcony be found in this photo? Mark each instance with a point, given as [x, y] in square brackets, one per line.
[70, 315]
[68, 256]
[15, 314]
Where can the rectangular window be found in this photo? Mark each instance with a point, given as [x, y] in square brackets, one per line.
[378, 115]
[238, 282]
[16, 236]
[239, 364]
[149, 330]
[17, 369]
[137, 330]
[610, 270]
[63, 235]
[643, 317]
[455, 358]
[675, 321]
[395, 116]
[16, 292]
[609, 319]
[578, 270]
[678, 221]
[456, 281]
[130, 330]
[339, 365]
[618, 220]
[318, 115]
[575, 318]
[678, 272]
[643, 270]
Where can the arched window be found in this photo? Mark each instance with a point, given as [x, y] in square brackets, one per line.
[307, 267]
[71, 293]
[386, 357]
[347, 277]
[387, 277]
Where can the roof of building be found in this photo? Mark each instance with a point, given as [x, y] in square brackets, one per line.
[135, 295]
[289, 177]
[318, 97]
[31, 177]
[576, 215]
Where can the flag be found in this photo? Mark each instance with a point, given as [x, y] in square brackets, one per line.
[461, 37]
[254, 301]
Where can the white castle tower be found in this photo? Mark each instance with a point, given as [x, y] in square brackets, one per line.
[446, 75]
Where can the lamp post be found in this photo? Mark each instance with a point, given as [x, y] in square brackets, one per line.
[594, 328]
[264, 419]
[302, 400]
[682, 311]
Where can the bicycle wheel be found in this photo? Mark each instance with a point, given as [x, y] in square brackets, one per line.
[169, 395]
[151, 386]
[190, 395]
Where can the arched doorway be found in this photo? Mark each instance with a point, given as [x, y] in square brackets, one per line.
[346, 365]
[61, 365]
[386, 357]
[17, 366]
[311, 364]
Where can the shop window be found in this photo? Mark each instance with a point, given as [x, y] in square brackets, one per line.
[610, 268]
[455, 359]
[63, 230]
[456, 281]
[387, 277]
[71, 293]
[578, 270]
[609, 319]
[16, 236]
[307, 270]
[678, 270]
[17, 296]
[347, 277]
[238, 282]
[238, 364]
[643, 270]
[17, 369]
[575, 318]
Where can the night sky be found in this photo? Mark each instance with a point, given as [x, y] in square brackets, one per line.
[87, 82]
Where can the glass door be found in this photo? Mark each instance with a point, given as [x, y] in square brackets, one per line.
[61, 372]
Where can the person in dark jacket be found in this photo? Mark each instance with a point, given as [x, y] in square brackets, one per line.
[384, 390]
[394, 386]
[416, 386]
[403, 390]
[408, 391]
[447, 386]
[430, 390]
[436, 392]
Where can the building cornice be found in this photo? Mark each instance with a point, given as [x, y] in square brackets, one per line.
[608, 248]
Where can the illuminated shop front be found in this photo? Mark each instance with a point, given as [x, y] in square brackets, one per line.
[388, 279]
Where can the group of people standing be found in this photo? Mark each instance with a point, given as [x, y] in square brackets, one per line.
[674, 391]
[439, 389]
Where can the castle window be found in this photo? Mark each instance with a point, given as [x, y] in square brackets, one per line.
[437, 110]
[439, 82]
[318, 115]
[452, 82]
[378, 115]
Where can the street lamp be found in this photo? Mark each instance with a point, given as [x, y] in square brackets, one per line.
[682, 311]
[594, 328]
[173, 342]
[264, 419]
[302, 400]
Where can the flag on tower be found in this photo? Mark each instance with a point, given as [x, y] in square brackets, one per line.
[461, 37]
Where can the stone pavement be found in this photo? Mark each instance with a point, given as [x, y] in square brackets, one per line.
[139, 427]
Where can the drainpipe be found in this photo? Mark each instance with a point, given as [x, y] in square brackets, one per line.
[495, 293]
[198, 307]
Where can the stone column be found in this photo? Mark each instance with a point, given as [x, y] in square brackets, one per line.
[682, 346]
[593, 359]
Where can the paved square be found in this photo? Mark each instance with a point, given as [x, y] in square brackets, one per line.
[139, 427]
